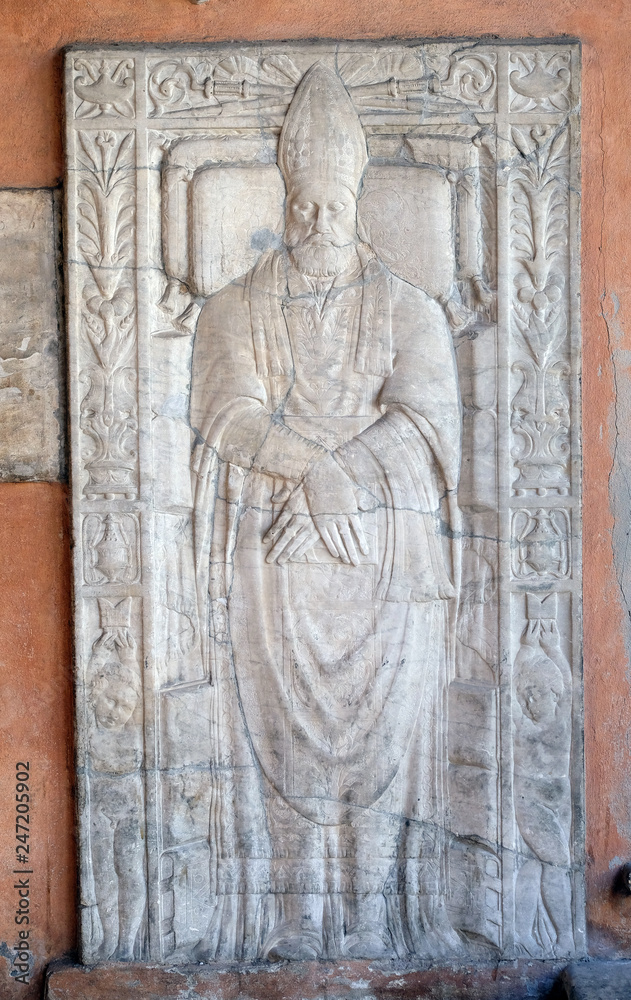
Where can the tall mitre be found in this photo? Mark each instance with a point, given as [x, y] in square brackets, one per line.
[322, 136]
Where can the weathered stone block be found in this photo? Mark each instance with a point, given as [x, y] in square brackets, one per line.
[350, 980]
[597, 981]
[32, 422]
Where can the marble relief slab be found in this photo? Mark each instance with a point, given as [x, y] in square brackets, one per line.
[324, 368]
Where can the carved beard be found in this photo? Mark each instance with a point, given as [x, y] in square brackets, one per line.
[322, 260]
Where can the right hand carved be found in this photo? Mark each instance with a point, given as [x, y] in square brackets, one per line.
[331, 500]
[293, 533]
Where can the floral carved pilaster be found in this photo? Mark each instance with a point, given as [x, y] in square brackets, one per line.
[540, 408]
[106, 223]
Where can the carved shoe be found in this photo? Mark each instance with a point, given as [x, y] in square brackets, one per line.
[294, 942]
[368, 942]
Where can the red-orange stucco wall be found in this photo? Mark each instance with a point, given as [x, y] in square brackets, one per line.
[36, 723]
[34, 574]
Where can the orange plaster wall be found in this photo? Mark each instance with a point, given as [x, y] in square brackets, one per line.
[36, 721]
[35, 583]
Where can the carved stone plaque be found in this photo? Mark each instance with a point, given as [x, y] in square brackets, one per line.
[324, 370]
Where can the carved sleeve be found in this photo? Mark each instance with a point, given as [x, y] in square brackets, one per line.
[421, 395]
[229, 403]
[245, 433]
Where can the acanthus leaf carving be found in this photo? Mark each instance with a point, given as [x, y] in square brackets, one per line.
[467, 77]
[540, 407]
[106, 206]
[106, 222]
[201, 87]
[239, 84]
[538, 218]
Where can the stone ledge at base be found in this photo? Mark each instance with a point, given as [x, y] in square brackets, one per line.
[597, 981]
[352, 980]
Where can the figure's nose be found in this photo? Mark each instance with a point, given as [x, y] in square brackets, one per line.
[322, 224]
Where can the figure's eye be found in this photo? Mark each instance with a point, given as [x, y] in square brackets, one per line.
[336, 206]
[303, 206]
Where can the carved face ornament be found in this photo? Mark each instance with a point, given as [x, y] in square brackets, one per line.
[114, 702]
[540, 691]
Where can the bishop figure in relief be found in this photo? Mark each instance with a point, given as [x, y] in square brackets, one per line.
[326, 412]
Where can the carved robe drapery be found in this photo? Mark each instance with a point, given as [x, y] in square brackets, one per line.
[328, 680]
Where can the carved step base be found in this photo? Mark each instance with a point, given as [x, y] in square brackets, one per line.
[354, 980]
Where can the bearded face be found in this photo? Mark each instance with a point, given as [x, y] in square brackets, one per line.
[321, 227]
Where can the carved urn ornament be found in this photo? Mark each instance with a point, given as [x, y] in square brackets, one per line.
[112, 552]
[543, 545]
